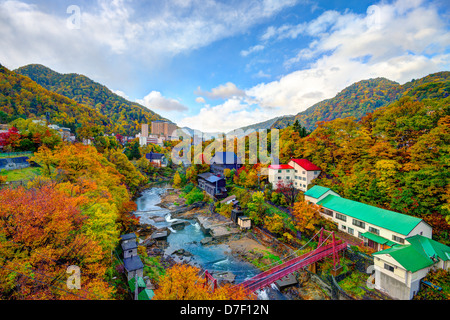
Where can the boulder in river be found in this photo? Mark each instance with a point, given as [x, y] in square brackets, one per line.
[206, 240]
[178, 225]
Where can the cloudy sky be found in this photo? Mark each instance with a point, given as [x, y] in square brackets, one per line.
[216, 65]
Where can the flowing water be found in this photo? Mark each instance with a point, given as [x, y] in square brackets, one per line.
[213, 258]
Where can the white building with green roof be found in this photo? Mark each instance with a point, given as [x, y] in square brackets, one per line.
[406, 251]
[378, 228]
[400, 269]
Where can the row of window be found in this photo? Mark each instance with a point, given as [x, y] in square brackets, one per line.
[359, 224]
[296, 171]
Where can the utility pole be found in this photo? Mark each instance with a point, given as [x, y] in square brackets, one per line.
[135, 286]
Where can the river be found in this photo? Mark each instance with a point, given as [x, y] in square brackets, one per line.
[213, 258]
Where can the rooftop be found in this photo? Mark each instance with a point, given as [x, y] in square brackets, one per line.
[280, 166]
[133, 263]
[316, 191]
[128, 236]
[419, 254]
[306, 164]
[390, 220]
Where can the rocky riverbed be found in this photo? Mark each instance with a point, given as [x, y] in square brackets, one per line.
[222, 237]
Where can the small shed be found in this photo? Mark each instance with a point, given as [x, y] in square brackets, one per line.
[133, 266]
[235, 214]
[129, 248]
[128, 237]
[244, 222]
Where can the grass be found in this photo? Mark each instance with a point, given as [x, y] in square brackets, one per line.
[271, 210]
[266, 259]
[353, 282]
[21, 174]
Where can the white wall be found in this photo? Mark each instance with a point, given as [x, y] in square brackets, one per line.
[286, 176]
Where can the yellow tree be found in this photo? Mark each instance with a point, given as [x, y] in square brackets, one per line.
[305, 216]
[177, 180]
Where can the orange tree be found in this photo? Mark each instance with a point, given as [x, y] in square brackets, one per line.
[183, 282]
[40, 237]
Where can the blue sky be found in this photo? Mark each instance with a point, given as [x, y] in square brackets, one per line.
[219, 65]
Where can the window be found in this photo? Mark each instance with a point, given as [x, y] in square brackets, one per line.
[279, 178]
[296, 183]
[360, 235]
[296, 171]
[304, 172]
[279, 171]
[373, 230]
[304, 179]
[398, 239]
[344, 227]
[327, 212]
[350, 230]
[287, 171]
[316, 172]
[359, 223]
[287, 178]
[388, 267]
[341, 217]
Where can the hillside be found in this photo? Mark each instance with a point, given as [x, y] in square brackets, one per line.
[361, 98]
[125, 116]
[20, 97]
[396, 158]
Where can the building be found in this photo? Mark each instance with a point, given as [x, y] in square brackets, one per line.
[213, 185]
[224, 160]
[158, 159]
[133, 266]
[144, 130]
[299, 172]
[163, 128]
[244, 222]
[304, 172]
[129, 248]
[281, 173]
[377, 228]
[400, 269]
[131, 260]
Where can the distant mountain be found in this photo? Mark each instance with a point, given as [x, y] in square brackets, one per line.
[21, 97]
[361, 98]
[126, 117]
[255, 127]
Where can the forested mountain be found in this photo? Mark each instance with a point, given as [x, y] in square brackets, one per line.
[361, 98]
[21, 97]
[354, 101]
[126, 117]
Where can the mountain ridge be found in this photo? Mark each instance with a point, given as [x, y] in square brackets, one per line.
[127, 115]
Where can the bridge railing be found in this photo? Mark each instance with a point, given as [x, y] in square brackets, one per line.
[292, 267]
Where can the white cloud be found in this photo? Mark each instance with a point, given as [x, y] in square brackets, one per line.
[232, 114]
[253, 49]
[398, 41]
[200, 100]
[224, 91]
[121, 93]
[155, 100]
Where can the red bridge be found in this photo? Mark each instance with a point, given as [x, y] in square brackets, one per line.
[323, 250]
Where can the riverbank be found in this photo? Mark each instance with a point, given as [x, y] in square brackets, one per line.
[246, 246]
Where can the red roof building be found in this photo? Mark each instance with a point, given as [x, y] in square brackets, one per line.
[306, 164]
[280, 167]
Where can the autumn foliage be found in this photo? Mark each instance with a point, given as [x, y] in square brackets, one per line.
[184, 282]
